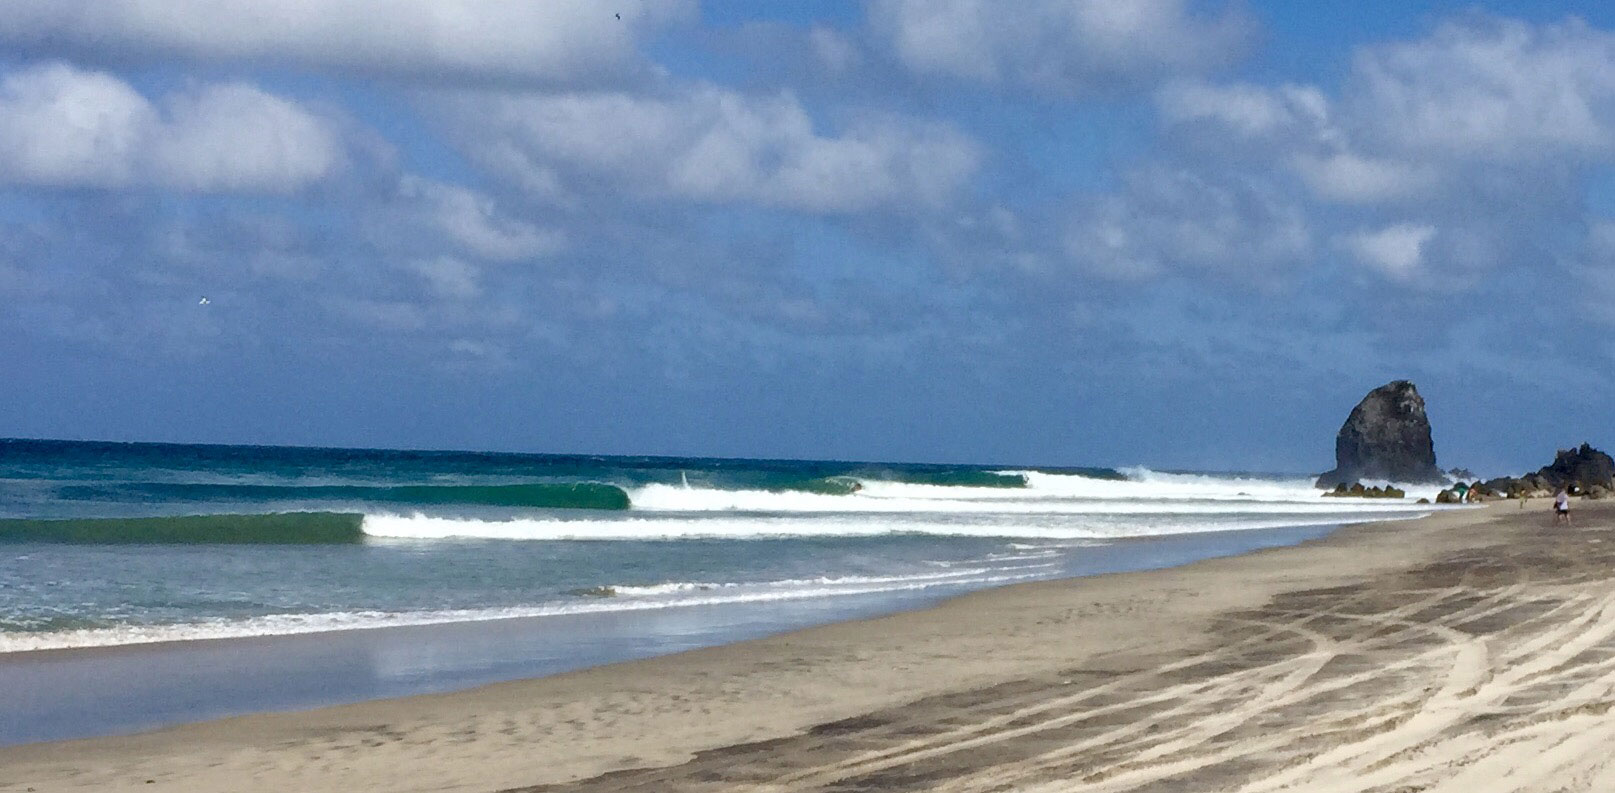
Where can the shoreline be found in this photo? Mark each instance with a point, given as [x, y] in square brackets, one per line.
[45, 653]
[661, 712]
[243, 675]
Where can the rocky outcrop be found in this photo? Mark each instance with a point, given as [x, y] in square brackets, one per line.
[1356, 490]
[1387, 436]
[1583, 470]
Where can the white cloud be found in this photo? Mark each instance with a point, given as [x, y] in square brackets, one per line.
[1245, 109]
[448, 277]
[1493, 89]
[474, 222]
[1172, 220]
[1353, 178]
[61, 126]
[1058, 46]
[550, 40]
[714, 145]
[1425, 116]
[1396, 251]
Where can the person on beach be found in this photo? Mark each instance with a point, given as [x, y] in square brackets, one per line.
[1561, 507]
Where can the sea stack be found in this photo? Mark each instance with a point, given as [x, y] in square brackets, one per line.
[1387, 436]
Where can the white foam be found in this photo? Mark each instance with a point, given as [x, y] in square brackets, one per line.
[1147, 484]
[1144, 491]
[296, 624]
[1068, 526]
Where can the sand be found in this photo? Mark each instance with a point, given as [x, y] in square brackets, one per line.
[1470, 651]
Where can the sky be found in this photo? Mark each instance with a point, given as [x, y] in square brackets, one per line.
[1058, 232]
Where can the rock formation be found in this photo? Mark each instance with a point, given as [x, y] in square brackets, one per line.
[1387, 436]
[1584, 470]
[1584, 467]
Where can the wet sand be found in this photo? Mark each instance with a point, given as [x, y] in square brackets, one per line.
[1470, 651]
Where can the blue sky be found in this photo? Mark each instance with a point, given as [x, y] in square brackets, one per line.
[1164, 232]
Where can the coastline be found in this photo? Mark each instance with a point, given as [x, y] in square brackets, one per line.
[942, 665]
[61, 693]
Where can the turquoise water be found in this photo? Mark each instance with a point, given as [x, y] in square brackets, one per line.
[110, 544]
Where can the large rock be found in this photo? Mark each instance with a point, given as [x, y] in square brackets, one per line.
[1583, 468]
[1387, 436]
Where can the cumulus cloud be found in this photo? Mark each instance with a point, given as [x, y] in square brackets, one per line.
[1491, 88]
[65, 127]
[1058, 46]
[474, 221]
[551, 41]
[1426, 116]
[1396, 251]
[1246, 109]
[714, 145]
[1489, 129]
[1168, 219]
[1347, 177]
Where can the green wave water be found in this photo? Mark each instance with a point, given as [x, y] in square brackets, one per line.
[828, 486]
[277, 528]
[847, 484]
[566, 495]
[965, 478]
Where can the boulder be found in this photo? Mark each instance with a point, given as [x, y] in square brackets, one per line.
[1503, 486]
[1356, 490]
[1597, 492]
[1461, 473]
[1449, 496]
[1387, 436]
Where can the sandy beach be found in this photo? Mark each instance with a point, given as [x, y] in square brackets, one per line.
[1471, 650]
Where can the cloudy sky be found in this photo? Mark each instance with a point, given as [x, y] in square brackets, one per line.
[1167, 232]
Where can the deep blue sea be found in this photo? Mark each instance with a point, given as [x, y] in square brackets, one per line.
[112, 544]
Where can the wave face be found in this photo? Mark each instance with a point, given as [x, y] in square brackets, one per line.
[569, 495]
[114, 543]
[288, 528]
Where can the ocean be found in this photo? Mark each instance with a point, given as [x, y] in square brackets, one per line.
[112, 543]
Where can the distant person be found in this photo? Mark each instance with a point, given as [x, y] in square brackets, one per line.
[1561, 507]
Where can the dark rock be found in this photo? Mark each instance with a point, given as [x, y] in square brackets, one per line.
[1503, 485]
[1461, 473]
[1424, 501]
[1356, 490]
[1449, 496]
[1387, 436]
[1582, 468]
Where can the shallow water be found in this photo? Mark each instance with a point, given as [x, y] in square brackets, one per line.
[102, 691]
